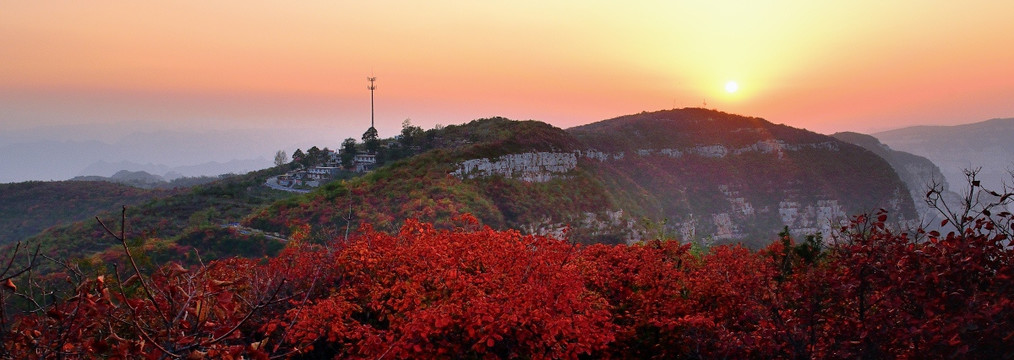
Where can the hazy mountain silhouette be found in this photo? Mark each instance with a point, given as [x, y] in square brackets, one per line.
[102, 168]
[984, 144]
[50, 155]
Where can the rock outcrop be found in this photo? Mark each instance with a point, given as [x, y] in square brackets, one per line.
[530, 167]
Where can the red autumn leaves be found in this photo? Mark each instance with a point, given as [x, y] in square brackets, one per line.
[478, 293]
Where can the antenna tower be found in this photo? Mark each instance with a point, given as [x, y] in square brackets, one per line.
[372, 87]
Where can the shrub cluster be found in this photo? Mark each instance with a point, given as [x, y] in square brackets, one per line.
[472, 292]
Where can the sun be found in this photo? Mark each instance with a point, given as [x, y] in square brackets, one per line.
[731, 87]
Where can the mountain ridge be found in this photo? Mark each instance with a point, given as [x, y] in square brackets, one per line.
[748, 152]
[600, 184]
[919, 173]
[957, 148]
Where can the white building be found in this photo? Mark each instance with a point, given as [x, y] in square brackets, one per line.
[364, 162]
[322, 172]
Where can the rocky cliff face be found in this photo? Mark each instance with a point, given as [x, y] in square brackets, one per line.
[544, 166]
[530, 166]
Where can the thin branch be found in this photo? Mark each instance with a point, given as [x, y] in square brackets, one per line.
[348, 223]
[181, 315]
[135, 323]
[29, 267]
[17, 248]
[75, 271]
[133, 264]
[66, 326]
[199, 260]
[249, 314]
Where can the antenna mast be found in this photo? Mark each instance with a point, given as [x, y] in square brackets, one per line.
[371, 87]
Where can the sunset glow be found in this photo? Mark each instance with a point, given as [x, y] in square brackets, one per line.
[731, 87]
[827, 67]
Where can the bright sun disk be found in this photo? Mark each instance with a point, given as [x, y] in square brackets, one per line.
[731, 87]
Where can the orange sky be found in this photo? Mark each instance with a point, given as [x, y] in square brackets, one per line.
[852, 65]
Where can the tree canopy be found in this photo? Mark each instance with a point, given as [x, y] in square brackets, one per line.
[371, 140]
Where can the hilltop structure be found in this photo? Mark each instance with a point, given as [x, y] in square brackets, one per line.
[372, 87]
[364, 161]
[327, 164]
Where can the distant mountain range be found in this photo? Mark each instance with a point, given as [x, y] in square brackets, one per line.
[49, 154]
[52, 160]
[955, 148]
[167, 173]
[145, 180]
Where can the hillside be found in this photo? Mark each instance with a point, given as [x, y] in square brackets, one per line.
[918, 173]
[690, 173]
[170, 226]
[145, 180]
[30, 207]
[732, 178]
[425, 187]
[985, 144]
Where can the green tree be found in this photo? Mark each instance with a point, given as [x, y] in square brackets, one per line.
[410, 135]
[348, 152]
[281, 158]
[313, 157]
[371, 140]
[298, 157]
[325, 156]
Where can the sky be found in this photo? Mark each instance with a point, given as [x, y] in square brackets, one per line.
[300, 68]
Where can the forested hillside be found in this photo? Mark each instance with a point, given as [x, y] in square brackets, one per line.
[30, 207]
[693, 174]
[167, 227]
[728, 177]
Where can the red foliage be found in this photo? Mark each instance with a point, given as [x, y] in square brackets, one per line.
[473, 292]
[434, 293]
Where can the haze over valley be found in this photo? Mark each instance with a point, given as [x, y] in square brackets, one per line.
[507, 180]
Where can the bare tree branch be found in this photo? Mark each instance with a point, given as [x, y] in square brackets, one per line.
[133, 264]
